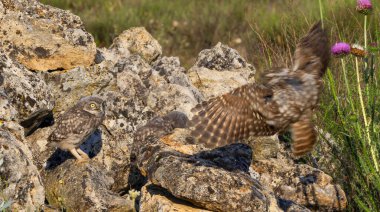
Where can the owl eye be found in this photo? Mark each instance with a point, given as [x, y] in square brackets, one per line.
[92, 105]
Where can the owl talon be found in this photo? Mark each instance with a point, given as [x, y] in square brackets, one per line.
[83, 154]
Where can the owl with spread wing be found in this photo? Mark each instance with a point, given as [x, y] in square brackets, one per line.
[285, 100]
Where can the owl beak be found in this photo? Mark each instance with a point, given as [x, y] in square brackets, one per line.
[104, 106]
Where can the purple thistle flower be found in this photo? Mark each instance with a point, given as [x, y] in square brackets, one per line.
[364, 6]
[340, 49]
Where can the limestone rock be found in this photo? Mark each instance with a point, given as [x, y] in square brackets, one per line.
[134, 93]
[264, 147]
[83, 187]
[301, 184]
[138, 41]
[222, 58]
[20, 179]
[153, 198]
[24, 91]
[220, 70]
[44, 38]
[215, 180]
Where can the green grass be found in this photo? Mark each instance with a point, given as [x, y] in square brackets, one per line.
[265, 27]
[269, 30]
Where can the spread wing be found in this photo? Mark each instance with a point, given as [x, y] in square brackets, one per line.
[233, 116]
[312, 51]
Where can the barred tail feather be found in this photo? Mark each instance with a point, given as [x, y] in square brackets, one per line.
[304, 137]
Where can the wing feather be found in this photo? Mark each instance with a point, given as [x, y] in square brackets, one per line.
[231, 117]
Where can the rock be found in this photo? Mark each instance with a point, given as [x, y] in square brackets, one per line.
[222, 58]
[134, 92]
[153, 198]
[83, 187]
[220, 70]
[44, 38]
[7, 111]
[264, 147]
[301, 184]
[20, 179]
[24, 91]
[215, 180]
[138, 41]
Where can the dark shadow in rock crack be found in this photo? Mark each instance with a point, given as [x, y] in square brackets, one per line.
[91, 147]
[38, 119]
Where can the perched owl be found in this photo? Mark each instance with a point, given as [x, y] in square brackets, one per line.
[77, 124]
[284, 100]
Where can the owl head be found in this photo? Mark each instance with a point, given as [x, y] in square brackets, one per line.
[93, 105]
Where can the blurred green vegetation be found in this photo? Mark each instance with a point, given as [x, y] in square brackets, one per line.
[184, 27]
[265, 32]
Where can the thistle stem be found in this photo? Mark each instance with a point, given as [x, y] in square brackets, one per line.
[365, 32]
[321, 12]
[346, 83]
[365, 116]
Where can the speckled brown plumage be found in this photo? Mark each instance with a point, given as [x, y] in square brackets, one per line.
[285, 99]
[77, 124]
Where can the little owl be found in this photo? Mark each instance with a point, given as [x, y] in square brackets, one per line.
[284, 100]
[76, 125]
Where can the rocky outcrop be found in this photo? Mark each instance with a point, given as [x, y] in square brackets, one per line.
[20, 180]
[144, 144]
[44, 38]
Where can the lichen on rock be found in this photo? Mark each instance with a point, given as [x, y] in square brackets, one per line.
[44, 38]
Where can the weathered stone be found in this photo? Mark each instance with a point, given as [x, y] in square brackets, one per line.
[215, 180]
[138, 41]
[44, 38]
[222, 58]
[83, 187]
[22, 90]
[154, 198]
[220, 70]
[264, 147]
[7, 111]
[134, 93]
[20, 181]
[301, 184]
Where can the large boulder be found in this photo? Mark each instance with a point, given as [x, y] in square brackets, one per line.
[44, 38]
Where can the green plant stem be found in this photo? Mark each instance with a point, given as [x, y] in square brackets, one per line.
[365, 32]
[321, 12]
[365, 47]
[365, 116]
[334, 93]
[347, 86]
